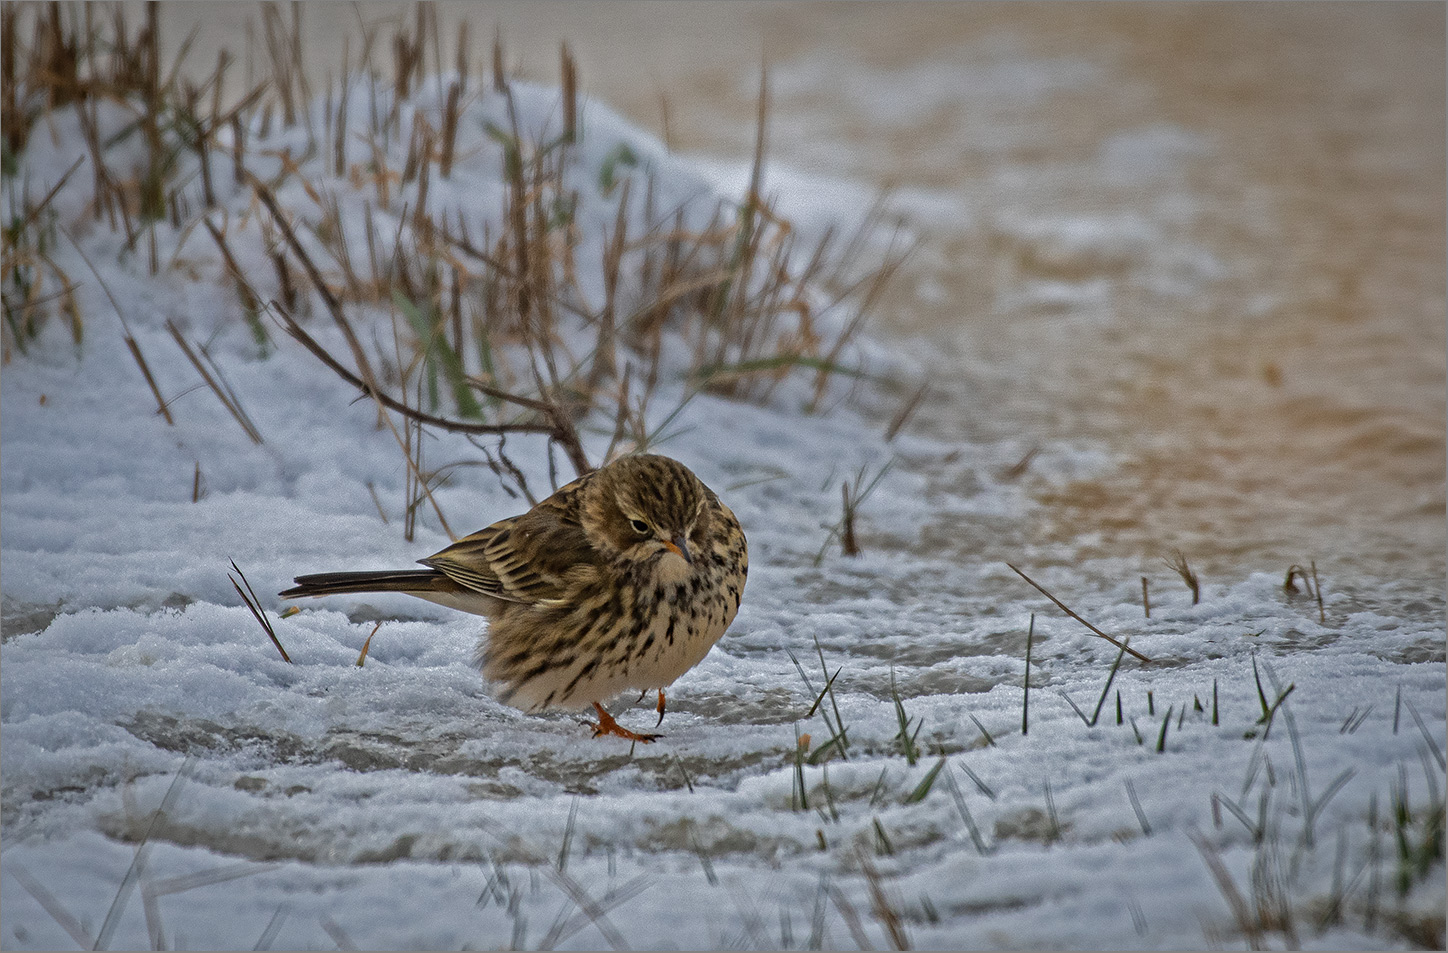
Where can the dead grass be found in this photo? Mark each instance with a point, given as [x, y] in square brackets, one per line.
[1178, 564]
[1066, 609]
[248, 596]
[483, 331]
[32, 283]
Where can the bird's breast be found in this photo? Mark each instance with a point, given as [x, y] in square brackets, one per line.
[672, 570]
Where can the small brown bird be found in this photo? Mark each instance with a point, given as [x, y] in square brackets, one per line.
[623, 579]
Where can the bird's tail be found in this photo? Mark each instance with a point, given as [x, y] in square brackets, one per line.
[417, 582]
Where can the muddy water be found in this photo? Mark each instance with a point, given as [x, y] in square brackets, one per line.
[1208, 239]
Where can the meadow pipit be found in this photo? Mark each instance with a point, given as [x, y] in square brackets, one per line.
[623, 579]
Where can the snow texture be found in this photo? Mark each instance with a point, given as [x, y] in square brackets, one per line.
[397, 805]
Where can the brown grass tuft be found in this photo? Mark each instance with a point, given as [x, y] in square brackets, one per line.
[480, 318]
[1178, 563]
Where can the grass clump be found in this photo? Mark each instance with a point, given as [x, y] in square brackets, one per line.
[579, 295]
[31, 281]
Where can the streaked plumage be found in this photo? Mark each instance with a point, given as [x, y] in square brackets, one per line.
[622, 580]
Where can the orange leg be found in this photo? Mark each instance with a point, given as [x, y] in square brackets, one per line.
[607, 726]
[661, 709]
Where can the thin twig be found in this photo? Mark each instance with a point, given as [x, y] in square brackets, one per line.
[334, 307]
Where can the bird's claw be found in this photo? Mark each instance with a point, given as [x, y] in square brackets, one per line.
[607, 726]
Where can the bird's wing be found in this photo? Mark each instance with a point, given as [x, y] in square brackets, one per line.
[527, 559]
[467, 562]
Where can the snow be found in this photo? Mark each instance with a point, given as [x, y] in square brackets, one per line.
[397, 805]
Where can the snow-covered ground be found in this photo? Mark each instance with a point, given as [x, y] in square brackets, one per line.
[397, 805]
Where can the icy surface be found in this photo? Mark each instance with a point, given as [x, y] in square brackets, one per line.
[397, 805]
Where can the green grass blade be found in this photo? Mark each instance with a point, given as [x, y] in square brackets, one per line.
[923, 788]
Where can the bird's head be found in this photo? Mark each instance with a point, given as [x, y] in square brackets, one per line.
[645, 508]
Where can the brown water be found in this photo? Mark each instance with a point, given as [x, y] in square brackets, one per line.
[1290, 407]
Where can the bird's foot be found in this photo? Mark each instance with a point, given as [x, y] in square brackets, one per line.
[607, 726]
[661, 709]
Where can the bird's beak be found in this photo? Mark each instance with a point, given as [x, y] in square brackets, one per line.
[680, 546]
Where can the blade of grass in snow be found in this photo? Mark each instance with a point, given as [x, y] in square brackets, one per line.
[253, 604]
[52, 906]
[138, 861]
[984, 788]
[1026, 680]
[965, 815]
[438, 353]
[1070, 612]
[1136, 807]
[1110, 677]
[1427, 737]
[799, 798]
[272, 929]
[922, 790]
[904, 738]
[1161, 738]
[990, 742]
[834, 813]
[1240, 815]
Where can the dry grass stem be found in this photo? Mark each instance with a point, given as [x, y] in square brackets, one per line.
[131, 344]
[367, 645]
[1026, 679]
[1178, 563]
[1317, 591]
[216, 382]
[885, 912]
[847, 535]
[1066, 609]
[140, 858]
[248, 596]
[592, 909]
[489, 317]
[853, 494]
[851, 917]
[903, 415]
[29, 269]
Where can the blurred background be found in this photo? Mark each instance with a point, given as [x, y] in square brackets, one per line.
[1208, 237]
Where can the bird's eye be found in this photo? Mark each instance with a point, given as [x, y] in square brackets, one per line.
[640, 526]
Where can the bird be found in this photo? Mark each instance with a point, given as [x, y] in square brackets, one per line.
[622, 580]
